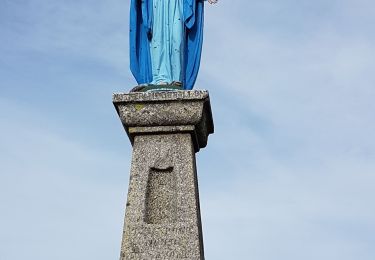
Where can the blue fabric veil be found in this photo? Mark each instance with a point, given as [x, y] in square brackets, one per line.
[141, 32]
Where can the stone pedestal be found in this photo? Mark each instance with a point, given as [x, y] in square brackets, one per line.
[166, 129]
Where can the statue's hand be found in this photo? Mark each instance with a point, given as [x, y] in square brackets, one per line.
[212, 1]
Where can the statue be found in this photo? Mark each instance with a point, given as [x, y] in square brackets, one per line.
[166, 43]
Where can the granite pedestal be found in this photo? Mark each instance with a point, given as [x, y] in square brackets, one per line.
[166, 129]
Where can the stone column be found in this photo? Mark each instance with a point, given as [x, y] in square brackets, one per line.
[166, 129]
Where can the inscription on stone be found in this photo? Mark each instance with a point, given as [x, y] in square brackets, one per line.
[162, 242]
[162, 219]
[172, 95]
[164, 256]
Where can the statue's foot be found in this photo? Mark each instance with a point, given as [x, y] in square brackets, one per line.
[139, 88]
[173, 84]
[167, 87]
[176, 84]
[162, 83]
[161, 86]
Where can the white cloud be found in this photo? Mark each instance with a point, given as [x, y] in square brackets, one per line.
[292, 213]
[288, 173]
[294, 136]
[59, 198]
[93, 31]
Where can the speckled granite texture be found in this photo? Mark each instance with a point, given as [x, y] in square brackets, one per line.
[162, 219]
[169, 111]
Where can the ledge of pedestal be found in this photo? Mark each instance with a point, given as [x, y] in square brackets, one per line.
[166, 112]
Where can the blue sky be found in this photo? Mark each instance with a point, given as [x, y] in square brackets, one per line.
[289, 173]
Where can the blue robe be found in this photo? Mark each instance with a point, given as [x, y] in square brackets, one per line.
[167, 43]
[141, 32]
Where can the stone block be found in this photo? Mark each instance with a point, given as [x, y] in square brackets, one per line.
[171, 111]
[162, 219]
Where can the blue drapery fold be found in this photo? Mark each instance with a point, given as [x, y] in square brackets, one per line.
[140, 33]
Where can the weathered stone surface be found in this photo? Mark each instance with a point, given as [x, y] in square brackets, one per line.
[172, 108]
[162, 219]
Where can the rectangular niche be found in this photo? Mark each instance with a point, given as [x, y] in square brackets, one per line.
[161, 197]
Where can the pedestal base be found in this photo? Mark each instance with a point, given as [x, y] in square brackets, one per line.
[162, 219]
